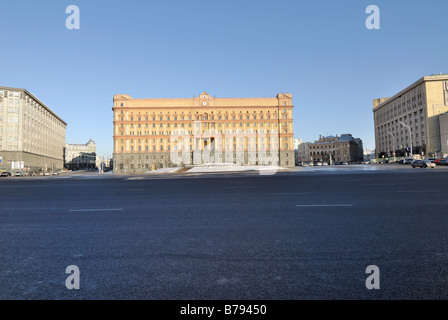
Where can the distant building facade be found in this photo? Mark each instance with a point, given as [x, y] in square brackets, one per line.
[410, 118]
[334, 148]
[32, 136]
[369, 155]
[443, 125]
[297, 142]
[153, 133]
[103, 162]
[80, 156]
[303, 152]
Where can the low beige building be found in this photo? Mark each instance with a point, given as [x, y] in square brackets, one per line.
[409, 120]
[32, 136]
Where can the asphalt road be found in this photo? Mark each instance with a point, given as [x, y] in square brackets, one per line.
[306, 234]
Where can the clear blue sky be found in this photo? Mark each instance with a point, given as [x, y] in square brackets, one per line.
[319, 51]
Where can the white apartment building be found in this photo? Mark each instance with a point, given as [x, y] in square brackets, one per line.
[32, 136]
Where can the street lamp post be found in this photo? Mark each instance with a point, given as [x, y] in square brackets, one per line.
[393, 143]
[410, 134]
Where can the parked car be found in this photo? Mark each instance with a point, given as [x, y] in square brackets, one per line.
[318, 164]
[344, 162]
[441, 161]
[431, 159]
[429, 164]
[19, 174]
[423, 164]
[408, 160]
[418, 163]
[5, 174]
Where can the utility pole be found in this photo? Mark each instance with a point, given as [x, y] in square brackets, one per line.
[393, 143]
[410, 135]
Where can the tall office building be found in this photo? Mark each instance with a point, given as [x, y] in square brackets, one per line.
[32, 136]
[156, 133]
[410, 119]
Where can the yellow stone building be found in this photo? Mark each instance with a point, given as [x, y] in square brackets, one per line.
[410, 119]
[156, 133]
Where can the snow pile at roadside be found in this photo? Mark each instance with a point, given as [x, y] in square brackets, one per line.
[165, 170]
[230, 168]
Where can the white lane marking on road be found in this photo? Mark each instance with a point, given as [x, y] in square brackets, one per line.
[31, 208]
[418, 191]
[277, 193]
[86, 210]
[324, 205]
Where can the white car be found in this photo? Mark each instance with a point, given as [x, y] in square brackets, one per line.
[429, 163]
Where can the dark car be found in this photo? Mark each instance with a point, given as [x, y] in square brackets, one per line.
[422, 164]
[5, 174]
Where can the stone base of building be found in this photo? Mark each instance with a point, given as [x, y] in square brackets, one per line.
[12, 161]
[144, 162]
